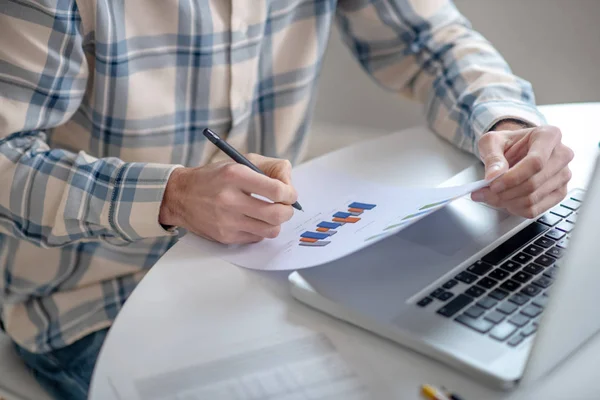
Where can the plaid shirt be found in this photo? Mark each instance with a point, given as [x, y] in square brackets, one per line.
[101, 100]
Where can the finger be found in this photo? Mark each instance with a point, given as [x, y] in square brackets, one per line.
[491, 149]
[273, 214]
[275, 168]
[542, 142]
[250, 181]
[530, 199]
[544, 205]
[556, 169]
[259, 228]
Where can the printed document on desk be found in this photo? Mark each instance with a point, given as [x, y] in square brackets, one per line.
[342, 215]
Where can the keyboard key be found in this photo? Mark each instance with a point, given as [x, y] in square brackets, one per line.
[545, 260]
[561, 211]
[510, 266]
[480, 268]
[563, 244]
[533, 269]
[533, 250]
[514, 243]
[437, 292]
[519, 320]
[466, 277]
[424, 301]
[565, 226]
[543, 282]
[498, 294]
[507, 308]
[522, 258]
[515, 340]
[541, 301]
[487, 283]
[495, 317]
[480, 325]
[551, 272]
[528, 330]
[531, 311]
[475, 311]
[475, 291]
[510, 285]
[503, 331]
[455, 305]
[522, 277]
[450, 284]
[550, 219]
[544, 242]
[571, 204]
[498, 274]
[531, 290]
[555, 235]
[555, 252]
[518, 299]
[445, 296]
[577, 195]
[487, 302]
[572, 218]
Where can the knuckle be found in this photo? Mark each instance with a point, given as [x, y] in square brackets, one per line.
[273, 232]
[282, 214]
[562, 191]
[278, 192]
[569, 154]
[529, 212]
[531, 185]
[537, 162]
[231, 172]
[567, 174]
[531, 200]
[555, 131]
[225, 198]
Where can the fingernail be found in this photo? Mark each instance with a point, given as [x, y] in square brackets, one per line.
[494, 168]
[477, 196]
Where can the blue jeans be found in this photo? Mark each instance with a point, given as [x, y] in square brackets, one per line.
[66, 373]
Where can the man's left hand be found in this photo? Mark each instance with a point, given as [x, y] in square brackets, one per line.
[535, 163]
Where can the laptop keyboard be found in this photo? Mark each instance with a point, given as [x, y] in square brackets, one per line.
[504, 293]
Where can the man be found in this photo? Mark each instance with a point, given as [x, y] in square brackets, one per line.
[103, 164]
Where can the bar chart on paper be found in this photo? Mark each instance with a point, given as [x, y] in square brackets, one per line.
[324, 231]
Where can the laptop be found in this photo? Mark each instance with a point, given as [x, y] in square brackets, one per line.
[495, 296]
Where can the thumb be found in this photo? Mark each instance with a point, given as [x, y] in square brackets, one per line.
[273, 167]
[491, 151]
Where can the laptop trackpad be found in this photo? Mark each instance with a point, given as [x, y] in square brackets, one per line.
[379, 278]
[453, 228]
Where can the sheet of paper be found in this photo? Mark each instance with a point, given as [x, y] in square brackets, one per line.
[301, 369]
[341, 215]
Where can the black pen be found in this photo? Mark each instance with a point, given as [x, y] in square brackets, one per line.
[236, 155]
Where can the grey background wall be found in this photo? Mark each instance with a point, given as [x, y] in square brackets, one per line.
[555, 44]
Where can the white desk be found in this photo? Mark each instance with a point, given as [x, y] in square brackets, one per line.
[192, 303]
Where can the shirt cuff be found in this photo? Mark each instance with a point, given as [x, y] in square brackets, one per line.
[488, 114]
[136, 200]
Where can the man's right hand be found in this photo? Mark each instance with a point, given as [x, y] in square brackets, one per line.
[214, 201]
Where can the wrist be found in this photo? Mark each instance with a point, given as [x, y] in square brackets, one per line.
[171, 206]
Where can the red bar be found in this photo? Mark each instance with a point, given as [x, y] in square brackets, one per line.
[349, 219]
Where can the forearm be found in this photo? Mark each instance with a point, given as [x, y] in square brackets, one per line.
[428, 51]
[52, 198]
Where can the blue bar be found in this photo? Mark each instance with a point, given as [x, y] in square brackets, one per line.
[329, 225]
[340, 214]
[314, 235]
[362, 206]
